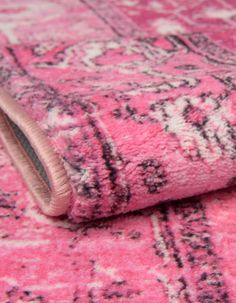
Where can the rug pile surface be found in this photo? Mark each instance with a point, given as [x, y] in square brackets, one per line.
[96, 74]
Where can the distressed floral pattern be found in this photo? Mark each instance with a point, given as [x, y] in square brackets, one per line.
[138, 98]
[177, 252]
[113, 91]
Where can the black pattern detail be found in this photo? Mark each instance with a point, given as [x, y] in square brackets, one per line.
[121, 193]
[210, 50]
[200, 253]
[118, 290]
[5, 74]
[15, 293]
[154, 176]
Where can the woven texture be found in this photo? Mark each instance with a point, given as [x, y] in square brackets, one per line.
[138, 99]
[177, 253]
[140, 108]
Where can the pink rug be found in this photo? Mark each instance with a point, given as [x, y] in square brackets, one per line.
[138, 100]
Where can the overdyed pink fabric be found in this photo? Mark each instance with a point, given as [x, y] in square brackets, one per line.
[138, 100]
[174, 253]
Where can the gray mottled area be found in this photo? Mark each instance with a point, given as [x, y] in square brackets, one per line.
[29, 150]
